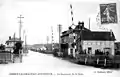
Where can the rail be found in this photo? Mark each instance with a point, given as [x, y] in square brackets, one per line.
[6, 56]
[98, 59]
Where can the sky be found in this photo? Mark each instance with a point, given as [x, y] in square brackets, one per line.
[41, 15]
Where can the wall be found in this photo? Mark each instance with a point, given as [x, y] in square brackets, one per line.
[99, 45]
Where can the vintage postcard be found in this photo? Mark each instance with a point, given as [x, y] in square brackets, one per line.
[59, 38]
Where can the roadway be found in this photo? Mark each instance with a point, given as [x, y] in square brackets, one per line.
[45, 65]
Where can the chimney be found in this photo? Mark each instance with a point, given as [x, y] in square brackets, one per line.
[80, 25]
[111, 32]
[9, 37]
[70, 28]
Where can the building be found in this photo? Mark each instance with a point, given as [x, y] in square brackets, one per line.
[65, 42]
[91, 41]
[87, 41]
[68, 39]
[11, 42]
[117, 48]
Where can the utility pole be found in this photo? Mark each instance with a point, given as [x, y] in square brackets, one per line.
[23, 34]
[47, 39]
[59, 28]
[52, 38]
[26, 44]
[20, 21]
[81, 26]
[14, 38]
[89, 23]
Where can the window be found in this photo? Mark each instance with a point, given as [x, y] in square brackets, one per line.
[85, 43]
[89, 43]
[94, 43]
[89, 50]
[102, 43]
[98, 43]
[107, 51]
[71, 51]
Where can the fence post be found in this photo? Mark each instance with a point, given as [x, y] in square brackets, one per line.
[5, 57]
[85, 60]
[105, 62]
[97, 60]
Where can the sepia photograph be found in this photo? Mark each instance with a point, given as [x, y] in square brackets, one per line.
[59, 38]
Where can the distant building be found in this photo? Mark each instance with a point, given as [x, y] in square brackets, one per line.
[43, 48]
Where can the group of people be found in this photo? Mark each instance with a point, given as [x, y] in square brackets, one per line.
[99, 52]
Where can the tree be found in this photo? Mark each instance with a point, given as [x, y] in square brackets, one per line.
[2, 47]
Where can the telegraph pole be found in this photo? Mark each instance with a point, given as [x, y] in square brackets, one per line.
[14, 38]
[47, 38]
[23, 34]
[81, 26]
[26, 44]
[89, 23]
[52, 38]
[20, 27]
[59, 28]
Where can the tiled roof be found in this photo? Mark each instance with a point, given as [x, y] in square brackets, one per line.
[91, 35]
[14, 40]
[67, 32]
[97, 35]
